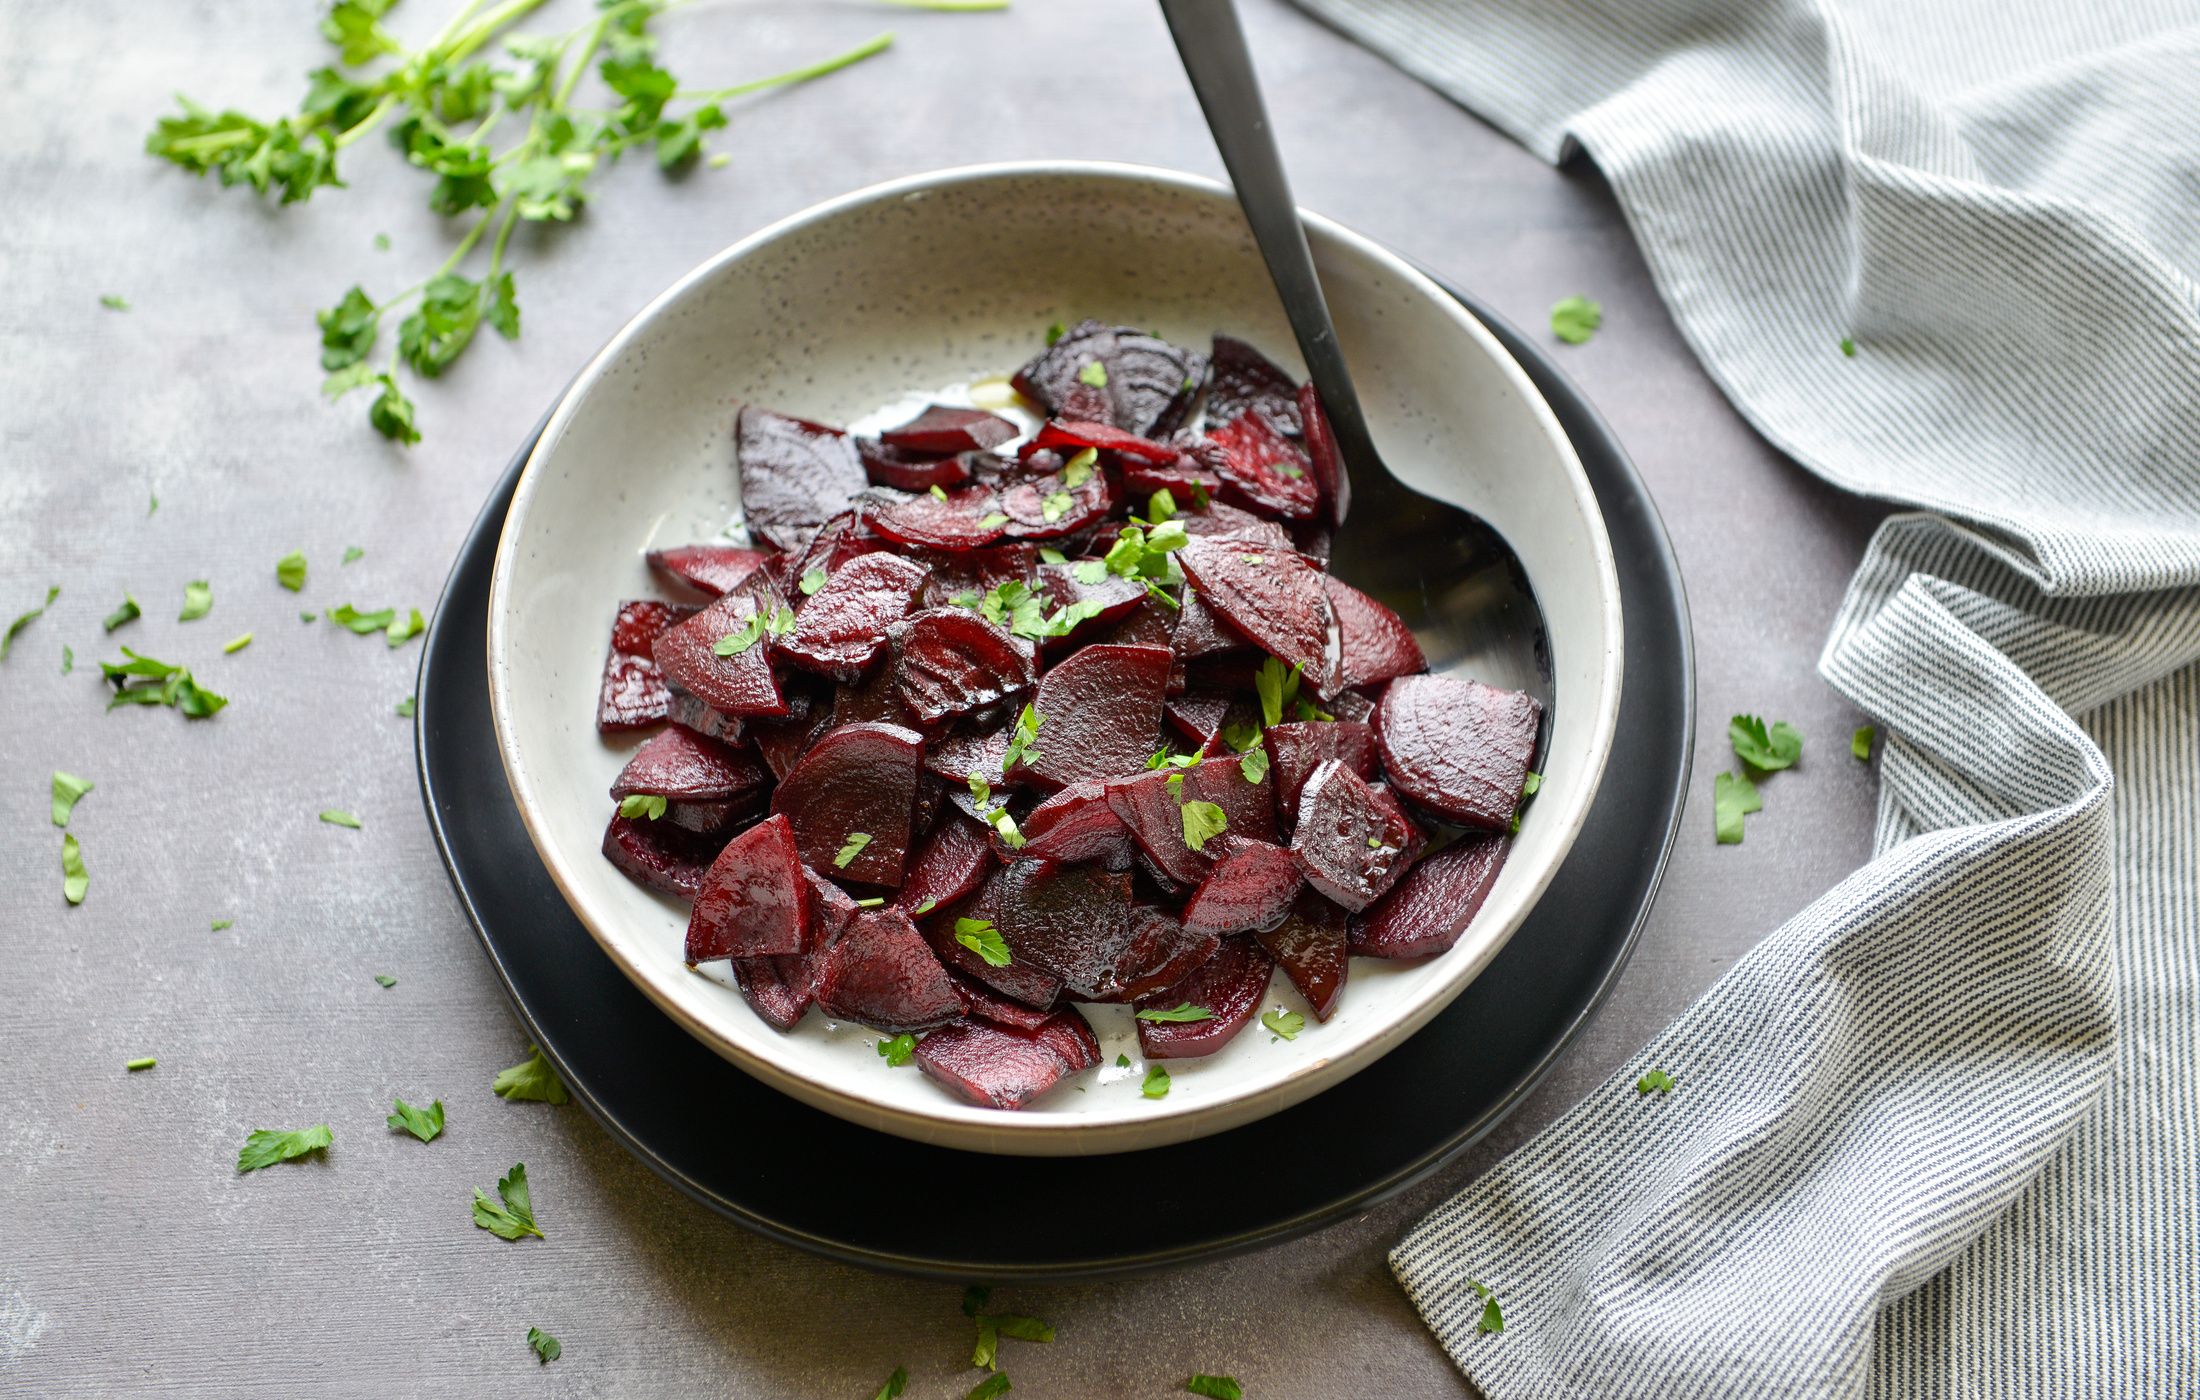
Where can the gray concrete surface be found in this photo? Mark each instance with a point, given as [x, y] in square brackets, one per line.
[133, 1259]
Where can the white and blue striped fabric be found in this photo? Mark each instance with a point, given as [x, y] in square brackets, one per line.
[1939, 1136]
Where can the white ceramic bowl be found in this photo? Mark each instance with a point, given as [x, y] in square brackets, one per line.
[937, 280]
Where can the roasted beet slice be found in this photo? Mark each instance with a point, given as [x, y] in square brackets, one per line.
[948, 866]
[832, 909]
[1350, 845]
[692, 714]
[1152, 811]
[998, 1066]
[989, 1005]
[1427, 911]
[882, 974]
[720, 819]
[1049, 508]
[874, 700]
[1105, 603]
[1330, 477]
[1069, 436]
[941, 430]
[1376, 643]
[1264, 471]
[905, 470]
[1199, 632]
[1274, 597]
[639, 623]
[1062, 379]
[634, 694]
[1152, 382]
[795, 474]
[1162, 952]
[1244, 381]
[1073, 921]
[1077, 824]
[1231, 985]
[1100, 714]
[970, 748]
[1226, 522]
[1458, 748]
[1296, 750]
[1198, 715]
[659, 855]
[716, 569]
[779, 990]
[780, 742]
[842, 629]
[1249, 806]
[975, 571]
[950, 661]
[754, 901]
[1023, 981]
[967, 517]
[678, 763]
[838, 540]
[1310, 947]
[859, 780]
[1250, 888]
[1188, 479]
[737, 685]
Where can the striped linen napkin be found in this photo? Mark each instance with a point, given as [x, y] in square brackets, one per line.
[1940, 1134]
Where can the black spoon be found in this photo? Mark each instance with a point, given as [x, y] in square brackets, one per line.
[1447, 572]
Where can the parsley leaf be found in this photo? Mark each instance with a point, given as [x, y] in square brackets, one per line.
[405, 707]
[352, 552]
[1093, 375]
[980, 937]
[1529, 787]
[382, 979]
[641, 804]
[990, 519]
[7, 639]
[813, 578]
[1657, 1080]
[895, 1385]
[67, 788]
[1860, 743]
[1766, 749]
[533, 1079]
[1157, 1083]
[1122, 1062]
[545, 1345]
[1048, 554]
[1848, 347]
[423, 1123]
[992, 1386]
[1078, 469]
[1575, 319]
[1278, 688]
[1056, 505]
[75, 880]
[265, 1147]
[1055, 332]
[896, 1052]
[405, 628]
[1492, 1320]
[143, 1062]
[142, 680]
[198, 601]
[1732, 798]
[1254, 765]
[516, 1216]
[1286, 1024]
[851, 848]
[1161, 506]
[290, 571]
[115, 303]
[337, 817]
[128, 612]
[361, 624]
[1203, 821]
[219, 924]
[1182, 1011]
[68, 658]
[1216, 1387]
[749, 633]
[236, 644]
[1020, 742]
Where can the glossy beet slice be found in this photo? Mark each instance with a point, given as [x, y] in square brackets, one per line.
[1296, 750]
[1073, 921]
[837, 541]
[738, 685]
[634, 695]
[1101, 714]
[947, 868]
[1264, 471]
[1250, 888]
[1152, 812]
[970, 748]
[1023, 981]
[1226, 522]
[1427, 910]
[780, 990]
[1375, 642]
[998, 1066]
[795, 474]
[754, 901]
[1069, 436]
[692, 714]
[1077, 824]
[1350, 845]
[905, 470]
[1152, 382]
[832, 909]
[1105, 603]
[678, 763]
[842, 629]
[882, 974]
[967, 517]
[858, 779]
[1250, 807]
[1048, 508]
[876, 699]
[1059, 379]
[941, 431]
[1231, 984]
[721, 819]
[660, 856]
[1187, 479]
[1162, 952]
[975, 571]
[989, 1005]
[1198, 715]
[1245, 380]
[950, 661]
[716, 569]
[1327, 463]
[1199, 632]
[1274, 597]
[780, 742]
[1310, 947]
[1458, 748]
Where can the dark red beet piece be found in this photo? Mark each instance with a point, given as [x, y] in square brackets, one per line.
[1264, 471]
[1048, 508]
[716, 569]
[1146, 385]
[1198, 715]
[1296, 750]
[837, 541]
[660, 856]
[1321, 451]
[978, 571]
[692, 714]
[1351, 705]
[941, 430]
[779, 742]
[736, 685]
[1023, 981]
[1227, 522]
[1116, 598]
[780, 990]
[989, 1005]
[831, 910]
[964, 518]
[1274, 597]
[713, 818]
[884, 975]
[679, 763]
[949, 865]
[1309, 945]
[1185, 479]
[1162, 952]
[1076, 824]
[842, 629]
[1231, 984]
[1428, 910]
[1059, 378]
[997, 1066]
[875, 700]
[1249, 807]
[1350, 846]
[967, 749]
[634, 694]
[1376, 643]
[911, 471]
[1314, 539]
[1250, 888]
[754, 901]
[950, 661]
[1069, 436]
[1101, 714]
[1073, 921]
[795, 474]
[1247, 381]
[1199, 632]
[1458, 748]
[859, 778]
[1151, 812]
[639, 623]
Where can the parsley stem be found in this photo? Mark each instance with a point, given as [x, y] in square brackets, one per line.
[466, 244]
[443, 35]
[877, 43]
[504, 236]
[368, 122]
[486, 28]
[580, 62]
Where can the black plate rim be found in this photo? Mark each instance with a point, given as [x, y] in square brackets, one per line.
[1591, 435]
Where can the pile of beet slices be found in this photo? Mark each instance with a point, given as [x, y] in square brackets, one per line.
[838, 797]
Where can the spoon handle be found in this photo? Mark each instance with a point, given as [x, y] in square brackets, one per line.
[1212, 46]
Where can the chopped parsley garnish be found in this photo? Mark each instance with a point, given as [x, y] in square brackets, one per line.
[1056, 505]
[1093, 375]
[895, 1385]
[1575, 319]
[516, 1215]
[405, 707]
[1254, 764]
[1531, 785]
[1286, 1024]
[1848, 347]
[777, 623]
[1215, 1387]
[1020, 742]
[545, 1345]
[337, 817]
[642, 804]
[1122, 1062]
[423, 1123]
[405, 628]
[128, 612]
[1656, 1080]
[75, 879]
[309, 617]
[67, 788]
[1090, 571]
[1768, 750]
[990, 519]
[142, 1062]
[198, 600]
[1203, 821]
[1240, 737]
[1182, 1011]
[219, 924]
[68, 658]
[352, 552]
[813, 578]
[364, 624]
[1157, 1083]
[980, 937]
[1278, 688]
[115, 303]
[1048, 554]
[1162, 758]
[1078, 469]
[533, 1079]
[938, 494]
[1860, 743]
[896, 1052]
[1160, 507]
[923, 909]
[1492, 1320]
[874, 902]
[141, 680]
[1056, 332]
[236, 644]
[851, 848]
[1732, 798]
[265, 1147]
[384, 980]
[290, 571]
[991, 1387]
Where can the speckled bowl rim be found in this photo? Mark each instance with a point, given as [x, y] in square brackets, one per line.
[1159, 1123]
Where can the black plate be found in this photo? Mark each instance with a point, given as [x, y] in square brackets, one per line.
[803, 1176]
